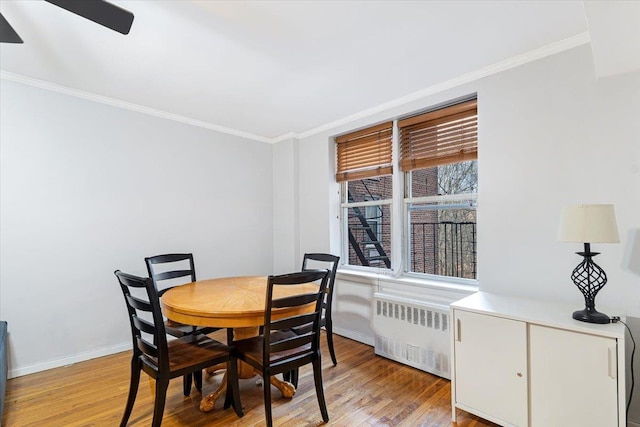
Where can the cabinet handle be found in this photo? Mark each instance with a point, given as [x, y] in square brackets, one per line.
[613, 365]
[458, 330]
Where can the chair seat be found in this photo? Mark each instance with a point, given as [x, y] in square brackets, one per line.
[252, 348]
[191, 350]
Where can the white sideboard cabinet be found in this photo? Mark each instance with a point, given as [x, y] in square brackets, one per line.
[527, 363]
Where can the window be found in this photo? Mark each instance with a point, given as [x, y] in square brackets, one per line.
[438, 160]
[365, 170]
[438, 153]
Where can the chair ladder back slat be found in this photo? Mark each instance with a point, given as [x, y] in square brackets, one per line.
[137, 303]
[167, 275]
[291, 343]
[294, 361]
[147, 348]
[322, 257]
[162, 259]
[295, 300]
[293, 321]
[144, 325]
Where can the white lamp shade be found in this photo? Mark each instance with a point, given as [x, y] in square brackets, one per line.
[588, 224]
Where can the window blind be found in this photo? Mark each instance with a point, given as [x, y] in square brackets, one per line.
[365, 153]
[440, 137]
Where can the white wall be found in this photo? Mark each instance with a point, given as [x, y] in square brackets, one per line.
[550, 134]
[303, 219]
[286, 230]
[88, 188]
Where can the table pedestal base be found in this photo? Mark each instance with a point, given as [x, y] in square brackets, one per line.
[245, 371]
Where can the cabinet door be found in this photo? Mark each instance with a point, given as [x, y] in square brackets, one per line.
[573, 379]
[491, 367]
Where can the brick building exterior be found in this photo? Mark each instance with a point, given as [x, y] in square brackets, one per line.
[442, 241]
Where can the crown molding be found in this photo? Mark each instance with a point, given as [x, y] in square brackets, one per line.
[30, 81]
[284, 137]
[534, 55]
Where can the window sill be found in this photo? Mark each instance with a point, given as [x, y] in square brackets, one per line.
[375, 279]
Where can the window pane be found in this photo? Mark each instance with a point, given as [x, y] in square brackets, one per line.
[456, 178]
[369, 239]
[442, 239]
[363, 190]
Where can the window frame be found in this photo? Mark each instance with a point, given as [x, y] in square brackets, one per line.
[399, 208]
[345, 205]
[406, 241]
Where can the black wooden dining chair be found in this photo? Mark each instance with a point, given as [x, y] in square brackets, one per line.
[309, 262]
[167, 271]
[330, 262]
[162, 359]
[278, 349]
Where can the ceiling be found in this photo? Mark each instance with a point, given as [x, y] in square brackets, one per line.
[270, 70]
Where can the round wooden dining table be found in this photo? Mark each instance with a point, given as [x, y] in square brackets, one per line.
[231, 302]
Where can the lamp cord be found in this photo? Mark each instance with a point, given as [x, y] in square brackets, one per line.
[633, 351]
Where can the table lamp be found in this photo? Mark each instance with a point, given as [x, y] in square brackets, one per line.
[589, 224]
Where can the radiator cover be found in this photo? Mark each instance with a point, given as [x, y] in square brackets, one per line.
[415, 333]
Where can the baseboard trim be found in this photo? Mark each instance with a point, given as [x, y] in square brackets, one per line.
[106, 351]
[65, 361]
[356, 336]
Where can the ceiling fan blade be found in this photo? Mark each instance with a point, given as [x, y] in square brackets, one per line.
[100, 12]
[7, 33]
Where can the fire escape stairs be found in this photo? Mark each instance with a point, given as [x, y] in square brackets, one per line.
[370, 239]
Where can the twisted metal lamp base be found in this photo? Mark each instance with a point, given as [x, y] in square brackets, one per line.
[589, 278]
[591, 316]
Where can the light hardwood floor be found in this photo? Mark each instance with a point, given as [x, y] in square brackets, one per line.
[363, 390]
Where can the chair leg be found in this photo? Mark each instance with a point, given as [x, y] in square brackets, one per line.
[161, 394]
[232, 396]
[186, 384]
[133, 389]
[291, 377]
[329, 329]
[197, 379]
[317, 376]
[267, 398]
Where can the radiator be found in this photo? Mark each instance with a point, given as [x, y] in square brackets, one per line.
[414, 333]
